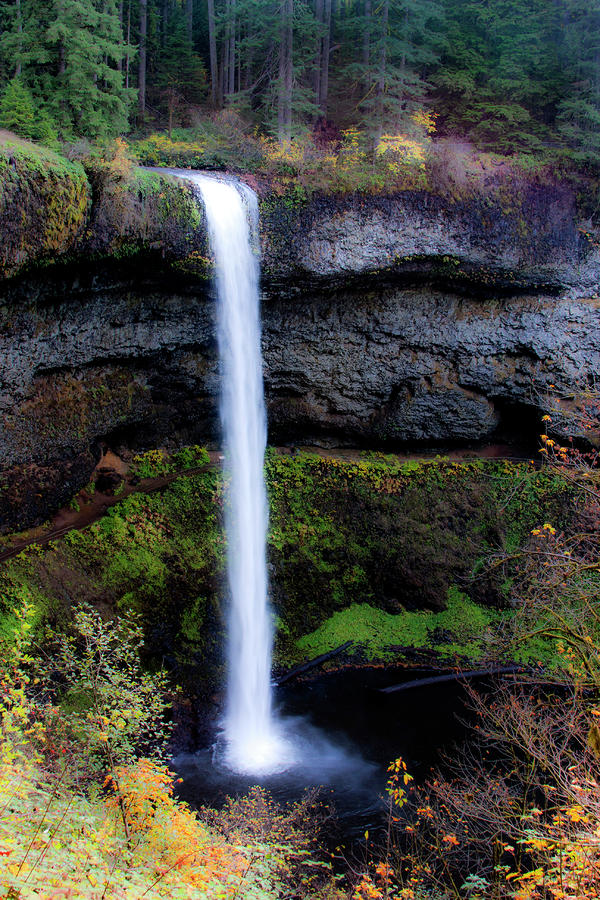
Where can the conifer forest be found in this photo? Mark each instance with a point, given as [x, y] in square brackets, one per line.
[509, 75]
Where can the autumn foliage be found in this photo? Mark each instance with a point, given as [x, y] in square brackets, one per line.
[84, 813]
[515, 812]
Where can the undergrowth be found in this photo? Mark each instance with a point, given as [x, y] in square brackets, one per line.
[411, 160]
[122, 833]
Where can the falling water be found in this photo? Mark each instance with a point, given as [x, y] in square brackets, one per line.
[253, 742]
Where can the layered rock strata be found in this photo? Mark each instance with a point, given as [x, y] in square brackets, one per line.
[386, 321]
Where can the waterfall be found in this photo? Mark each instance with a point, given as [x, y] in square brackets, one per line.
[252, 737]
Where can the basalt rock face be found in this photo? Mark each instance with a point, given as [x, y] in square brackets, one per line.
[91, 356]
[524, 238]
[385, 321]
[422, 366]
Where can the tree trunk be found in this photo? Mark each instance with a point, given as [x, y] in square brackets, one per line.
[165, 22]
[231, 68]
[128, 44]
[222, 65]
[249, 56]
[380, 88]
[366, 47]
[121, 23]
[325, 57]
[189, 19]
[319, 52]
[403, 64]
[239, 63]
[452, 676]
[212, 47]
[226, 48]
[225, 54]
[20, 33]
[286, 73]
[142, 61]
[289, 71]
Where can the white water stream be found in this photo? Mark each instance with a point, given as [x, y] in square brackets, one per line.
[254, 743]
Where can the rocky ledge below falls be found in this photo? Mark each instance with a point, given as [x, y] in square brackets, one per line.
[386, 320]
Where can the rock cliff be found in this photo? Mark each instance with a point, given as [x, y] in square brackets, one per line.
[386, 320]
[525, 236]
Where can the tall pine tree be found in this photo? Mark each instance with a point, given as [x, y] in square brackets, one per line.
[70, 57]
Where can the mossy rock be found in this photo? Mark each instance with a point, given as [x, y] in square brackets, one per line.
[380, 550]
[44, 204]
[54, 210]
[394, 534]
[141, 211]
[457, 631]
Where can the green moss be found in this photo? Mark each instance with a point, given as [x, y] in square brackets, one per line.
[190, 458]
[192, 621]
[159, 555]
[379, 635]
[539, 650]
[196, 264]
[44, 204]
[395, 534]
[369, 550]
[172, 202]
[151, 464]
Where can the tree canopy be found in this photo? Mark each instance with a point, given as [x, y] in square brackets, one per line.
[509, 75]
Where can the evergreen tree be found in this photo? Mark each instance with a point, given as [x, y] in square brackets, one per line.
[263, 57]
[400, 48]
[178, 78]
[71, 53]
[511, 75]
[578, 116]
[89, 97]
[17, 111]
[500, 79]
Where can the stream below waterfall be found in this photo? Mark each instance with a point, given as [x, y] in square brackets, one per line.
[349, 732]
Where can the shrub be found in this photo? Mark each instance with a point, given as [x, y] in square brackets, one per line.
[107, 711]
[154, 463]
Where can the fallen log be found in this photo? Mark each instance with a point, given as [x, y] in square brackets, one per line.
[313, 663]
[452, 676]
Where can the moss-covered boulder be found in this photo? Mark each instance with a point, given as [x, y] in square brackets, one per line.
[54, 210]
[44, 204]
[138, 211]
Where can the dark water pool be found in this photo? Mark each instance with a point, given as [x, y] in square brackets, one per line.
[345, 732]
